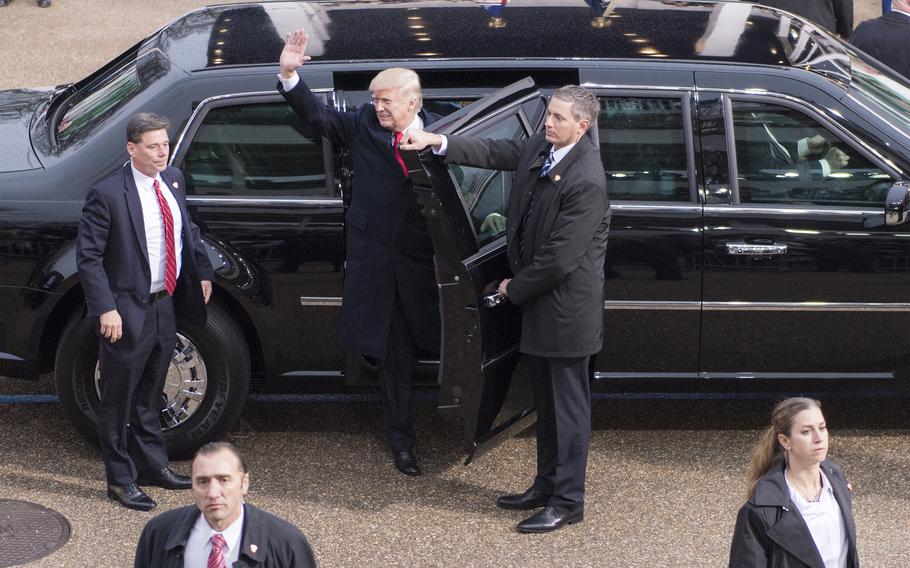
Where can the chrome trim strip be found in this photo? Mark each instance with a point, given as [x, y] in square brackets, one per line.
[331, 301]
[9, 357]
[795, 210]
[896, 307]
[204, 103]
[262, 201]
[805, 307]
[589, 85]
[619, 305]
[796, 376]
[619, 205]
[639, 375]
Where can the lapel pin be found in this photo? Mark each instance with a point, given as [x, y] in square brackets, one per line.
[253, 548]
[556, 178]
[175, 185]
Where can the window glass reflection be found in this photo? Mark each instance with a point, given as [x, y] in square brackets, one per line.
[785, 157]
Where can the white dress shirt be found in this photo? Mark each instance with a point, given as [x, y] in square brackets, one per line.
[825, 522]
[154, 227]
[199, 544]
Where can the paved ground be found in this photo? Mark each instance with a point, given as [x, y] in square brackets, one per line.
[62, 44]
[665, 480]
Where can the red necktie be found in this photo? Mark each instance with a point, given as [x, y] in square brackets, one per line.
[216, 556]
[170, 251]
[398, 157]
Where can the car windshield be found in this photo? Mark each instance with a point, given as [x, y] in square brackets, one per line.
[887, 89]
[98, 96]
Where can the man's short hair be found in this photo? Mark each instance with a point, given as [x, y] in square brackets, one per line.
[584, 103]
[405, 80]
[144, 122]
[215, 447]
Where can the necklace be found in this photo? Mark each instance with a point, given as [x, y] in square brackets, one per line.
[805, 494]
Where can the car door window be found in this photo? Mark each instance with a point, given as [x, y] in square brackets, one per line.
[485, 192]
[786, 157]
[255, 150]
[643, 147]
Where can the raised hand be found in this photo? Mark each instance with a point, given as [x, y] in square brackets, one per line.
[294, 53]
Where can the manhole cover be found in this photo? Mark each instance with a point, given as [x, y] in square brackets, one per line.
[29, 532]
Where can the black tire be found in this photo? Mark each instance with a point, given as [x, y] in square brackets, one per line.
[225, 356]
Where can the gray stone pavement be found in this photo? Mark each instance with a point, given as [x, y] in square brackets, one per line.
[665, 479]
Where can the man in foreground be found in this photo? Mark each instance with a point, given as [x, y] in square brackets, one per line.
[220, 530]
[557, 221]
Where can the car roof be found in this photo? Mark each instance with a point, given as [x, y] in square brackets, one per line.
[361, 31]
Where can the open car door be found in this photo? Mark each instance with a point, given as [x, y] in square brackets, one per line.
[464, 207]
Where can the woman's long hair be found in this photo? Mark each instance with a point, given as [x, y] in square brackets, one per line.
[768, 452]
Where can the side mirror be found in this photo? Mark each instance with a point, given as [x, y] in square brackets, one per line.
[897, 204]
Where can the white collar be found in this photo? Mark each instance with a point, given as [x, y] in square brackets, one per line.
[231, 534]
[901, 12]
[561, 153]
[143, 180]
[416, 123]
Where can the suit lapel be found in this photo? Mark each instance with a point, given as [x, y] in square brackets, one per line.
[175, 189]
[134, 206]
[382, 138]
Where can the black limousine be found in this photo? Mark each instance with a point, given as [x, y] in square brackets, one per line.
[757, 165]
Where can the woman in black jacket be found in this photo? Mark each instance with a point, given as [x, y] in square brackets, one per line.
[798, 513]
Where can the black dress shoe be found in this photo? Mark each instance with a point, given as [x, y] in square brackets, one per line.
[406, 463]
[44, 3]
[530, 499]
[549, 519]
[166, 478]
[131, 497]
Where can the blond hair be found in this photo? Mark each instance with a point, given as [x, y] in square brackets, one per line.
[405, 80]
[768, 452]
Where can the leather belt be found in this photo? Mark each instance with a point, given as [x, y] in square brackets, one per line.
[157, 296]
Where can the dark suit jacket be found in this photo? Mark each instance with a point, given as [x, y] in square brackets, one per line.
[113, 261]
[266, 541]
[771, 533]
[559, 280]
[388, 243]
[885, 39]
[834, 15]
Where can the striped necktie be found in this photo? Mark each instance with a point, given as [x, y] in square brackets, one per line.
[216, 556]
[170, 250]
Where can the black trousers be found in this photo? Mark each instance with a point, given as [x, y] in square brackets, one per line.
[132, 377]
[562, 397]
[396, 374]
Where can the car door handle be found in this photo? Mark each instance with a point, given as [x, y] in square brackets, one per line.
[750, 249]
[493, 300]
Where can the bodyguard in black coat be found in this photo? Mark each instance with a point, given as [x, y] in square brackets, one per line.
[834, 15]
[557, 221]
[885, 38]
[391, 300]
[139, 255]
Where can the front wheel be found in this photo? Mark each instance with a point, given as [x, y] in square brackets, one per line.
[204, 392]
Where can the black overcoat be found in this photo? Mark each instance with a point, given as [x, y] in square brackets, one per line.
[885, 39]
[112, 255]
[770, 532]
[388, 244]
[559, 280]
[265, 542]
